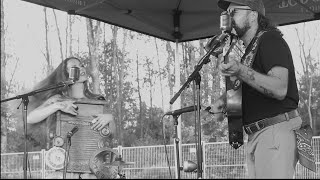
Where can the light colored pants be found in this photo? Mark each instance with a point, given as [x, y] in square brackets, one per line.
[272, 151]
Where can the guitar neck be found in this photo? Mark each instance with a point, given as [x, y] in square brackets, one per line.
[227, 52]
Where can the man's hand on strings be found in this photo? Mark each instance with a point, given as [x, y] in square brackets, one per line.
[232, 68]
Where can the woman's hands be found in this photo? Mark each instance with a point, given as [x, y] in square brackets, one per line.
[101, 120]
[50, 106]
[67, 106]
[63, 104]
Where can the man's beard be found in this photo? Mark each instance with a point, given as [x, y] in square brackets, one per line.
[241, 31]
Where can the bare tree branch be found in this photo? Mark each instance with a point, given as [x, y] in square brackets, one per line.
[58, 31]
[47, 50]
[300, 52]
[12, 74]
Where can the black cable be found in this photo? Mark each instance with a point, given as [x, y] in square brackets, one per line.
[29, 165]
[165, 146]
[27, 154]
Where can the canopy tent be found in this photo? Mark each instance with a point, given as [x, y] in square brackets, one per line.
[177, 20]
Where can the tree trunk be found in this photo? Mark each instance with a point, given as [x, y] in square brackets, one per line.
[67, 36]
[121, 75]
[116, 77]
[78, 43]
[94, 35]
[108, 71]
[47, 52]
[70, 34]
[170, 68]
[189, 66]
[160, 78]
[59, 35]
[4, 120]
[205, 76]
[150, 77]
[309, 102]
[149, 80]
[140, 99]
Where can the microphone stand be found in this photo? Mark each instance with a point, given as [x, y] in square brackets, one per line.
[195, 76]
[66, 156]
[176, 140]
[204, 60]
[197, 81]
[25, 100]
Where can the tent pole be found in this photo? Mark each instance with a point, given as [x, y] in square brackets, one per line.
[177, 34]
[177, 105]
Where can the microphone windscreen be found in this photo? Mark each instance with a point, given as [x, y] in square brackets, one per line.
[74, 73]
[225, 22]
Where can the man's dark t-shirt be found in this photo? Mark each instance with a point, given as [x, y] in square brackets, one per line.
[272, 51]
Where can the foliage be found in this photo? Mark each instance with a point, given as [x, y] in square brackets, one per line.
[304, 84]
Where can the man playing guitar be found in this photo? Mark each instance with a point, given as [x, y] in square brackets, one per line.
[269, 91]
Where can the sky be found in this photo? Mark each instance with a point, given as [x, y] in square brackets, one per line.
[25, 41]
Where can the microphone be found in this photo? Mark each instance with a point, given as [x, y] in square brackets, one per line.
[182, 110]
[225, 22]
[225, 26]
[73, 131]
[74, 73]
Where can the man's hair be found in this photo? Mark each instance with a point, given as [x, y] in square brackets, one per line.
[265, 24]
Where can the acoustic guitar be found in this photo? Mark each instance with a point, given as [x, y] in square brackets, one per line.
[233, 105]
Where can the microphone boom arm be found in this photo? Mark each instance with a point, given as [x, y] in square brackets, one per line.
[204, 60]
[59, 85]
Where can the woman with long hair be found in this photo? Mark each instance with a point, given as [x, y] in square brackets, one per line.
[42, 106]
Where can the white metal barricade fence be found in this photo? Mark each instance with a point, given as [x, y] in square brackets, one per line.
[12, 165]
[220, 161]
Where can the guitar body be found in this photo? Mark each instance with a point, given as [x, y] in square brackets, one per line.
[233, 105]
[234, 93]
[234, 111]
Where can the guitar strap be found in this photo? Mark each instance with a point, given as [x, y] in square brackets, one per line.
[304, 134]
[248, 58]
